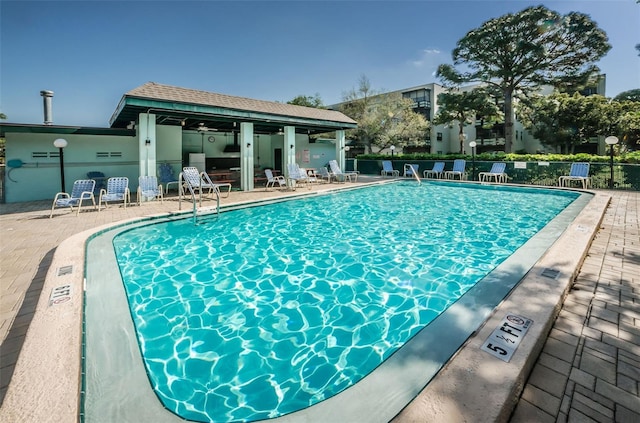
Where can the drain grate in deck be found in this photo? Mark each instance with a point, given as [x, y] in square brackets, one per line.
[550, 273]
[65, 270]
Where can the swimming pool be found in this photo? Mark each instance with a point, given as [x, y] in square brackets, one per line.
[408, 243]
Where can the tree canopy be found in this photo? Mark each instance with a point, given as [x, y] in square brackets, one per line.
[463, 108]
[308, 100]
[564, 121]
[383, 119]
[519, 52]
[631, 95]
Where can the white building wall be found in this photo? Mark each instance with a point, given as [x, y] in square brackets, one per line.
[39, 177]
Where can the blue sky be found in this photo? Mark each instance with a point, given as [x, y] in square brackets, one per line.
[92, 52]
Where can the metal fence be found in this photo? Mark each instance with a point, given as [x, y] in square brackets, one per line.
[625, 176]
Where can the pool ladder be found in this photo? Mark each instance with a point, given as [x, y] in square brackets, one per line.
[181, 185]
[415, 174]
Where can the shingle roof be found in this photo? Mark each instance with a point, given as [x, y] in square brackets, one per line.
[153, 90]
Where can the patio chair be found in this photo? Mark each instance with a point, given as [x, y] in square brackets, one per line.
[323, 174]
[410, 169]
[387, 169]
[117, 190]
[167, 177]
[297, 176]
[579, 172]
[311, 175]
[341, 176]
[496, 172]
[149, 188]
[100, 180]
[273, 180]
[436, 171]
[217, 185]
[82, 190]
[200, 182]
[459, 166]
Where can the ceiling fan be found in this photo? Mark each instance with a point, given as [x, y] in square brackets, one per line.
[202, 129]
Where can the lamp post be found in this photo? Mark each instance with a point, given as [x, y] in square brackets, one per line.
[392, 148]
[611, 141]
[61, 143]
[472, 144]
[463, 137]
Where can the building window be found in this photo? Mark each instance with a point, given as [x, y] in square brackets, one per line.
[439, 136]
[421, 98]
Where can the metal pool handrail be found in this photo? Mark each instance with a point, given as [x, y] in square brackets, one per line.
[181, 184]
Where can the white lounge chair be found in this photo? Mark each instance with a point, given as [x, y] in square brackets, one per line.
[117, 190]
[297, 176]
[387, 169]
[273, 180]
[459, 166]
[436, 172]
[323, 174]
[149, 188]
[341, 176]
[82, 190]
[579, 172]
[200, 182]
[496, 172]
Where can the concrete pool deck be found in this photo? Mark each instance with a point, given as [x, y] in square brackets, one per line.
[30, 239]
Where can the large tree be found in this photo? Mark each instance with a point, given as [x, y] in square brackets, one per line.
[308, 101]
[630, 95]
[520, 52]
[463, 107]
[564, 121]
[383, 119]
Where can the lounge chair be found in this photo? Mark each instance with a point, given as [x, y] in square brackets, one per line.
[411, 169]
[117, 190]
[167, 177]
[218, 185]
[200, 182]
[341, 176]
[323, 174]
[387, 169]
[436, 172]
[496, 172]
[459, 166]
[149, 188]
[579, 172]
[297, 176]
[82, 190]
[273, 180]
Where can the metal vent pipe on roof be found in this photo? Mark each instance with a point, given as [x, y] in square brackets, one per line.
[46, 98]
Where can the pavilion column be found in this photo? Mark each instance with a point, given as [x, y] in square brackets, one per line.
[290, 145]
[340, 141]
[146, 145]
[246, 156]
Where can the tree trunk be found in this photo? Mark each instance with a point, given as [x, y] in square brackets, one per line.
[461, 137]
[508, 120]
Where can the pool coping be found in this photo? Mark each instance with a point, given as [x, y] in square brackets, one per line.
[51, 352]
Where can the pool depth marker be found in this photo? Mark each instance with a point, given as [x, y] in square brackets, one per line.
[504, 340]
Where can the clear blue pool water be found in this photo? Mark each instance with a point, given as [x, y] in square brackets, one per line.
[263, 311]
